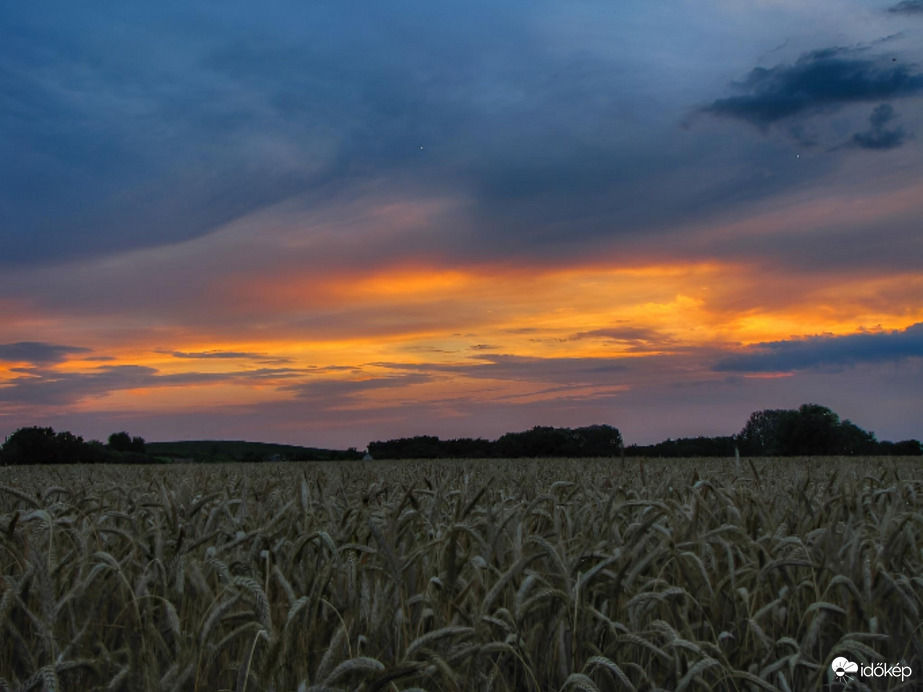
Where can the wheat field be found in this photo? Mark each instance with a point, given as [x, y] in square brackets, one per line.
[694, 574]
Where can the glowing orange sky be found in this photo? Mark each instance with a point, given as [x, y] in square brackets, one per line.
[454, 315]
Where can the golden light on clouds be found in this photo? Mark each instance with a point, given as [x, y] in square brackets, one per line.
[440, 314]
[172, 398]
[444, 337]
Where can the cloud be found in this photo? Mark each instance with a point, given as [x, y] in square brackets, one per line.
[228, 355]
[547, 146]
[821, 80]
[825, 352]
[259, 374]
[37, 352]
[878, 136]
[216, 354]
[44, 386]
[907, 7]
[567, 371]
[106, 154]
[637, 338]
[333, 393]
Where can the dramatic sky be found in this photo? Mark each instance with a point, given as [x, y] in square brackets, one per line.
[327, 223]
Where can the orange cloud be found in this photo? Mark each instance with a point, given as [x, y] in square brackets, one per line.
[438, 313]
[274, 329]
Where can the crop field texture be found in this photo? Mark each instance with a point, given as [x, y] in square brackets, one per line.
[461, 575]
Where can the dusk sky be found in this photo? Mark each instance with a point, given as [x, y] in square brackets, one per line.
[327, 223]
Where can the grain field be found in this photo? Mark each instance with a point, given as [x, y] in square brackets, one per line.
[694, 574]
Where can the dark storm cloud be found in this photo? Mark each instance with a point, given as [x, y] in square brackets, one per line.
[80, 134]
[143, 137]
[37, 352]
[824, 352]
[126, 138]
[133, 135]
[907, 7]
[821, 80]
[878, 136]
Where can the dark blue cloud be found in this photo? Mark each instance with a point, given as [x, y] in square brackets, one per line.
[821, 80]
[822, 352]
[878, 136]
[907, 7]
[156, 125]
[37, 352]
[125, 131]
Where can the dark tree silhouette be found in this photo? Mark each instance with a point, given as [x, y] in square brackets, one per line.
[37, 445]
[809, 431]
[120, 442]
[686, 447]
[540, 441]
[123, 442]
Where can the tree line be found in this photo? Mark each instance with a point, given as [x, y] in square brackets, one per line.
[810, 430]
[540, 441]
[37, 445]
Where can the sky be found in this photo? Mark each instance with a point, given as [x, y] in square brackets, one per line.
[329, 223]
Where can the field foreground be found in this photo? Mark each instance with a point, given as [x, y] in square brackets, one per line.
[462, 575]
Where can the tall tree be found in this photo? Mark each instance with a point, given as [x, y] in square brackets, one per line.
[811, 430]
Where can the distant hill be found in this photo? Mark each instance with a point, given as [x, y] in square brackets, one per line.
[239, 450]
